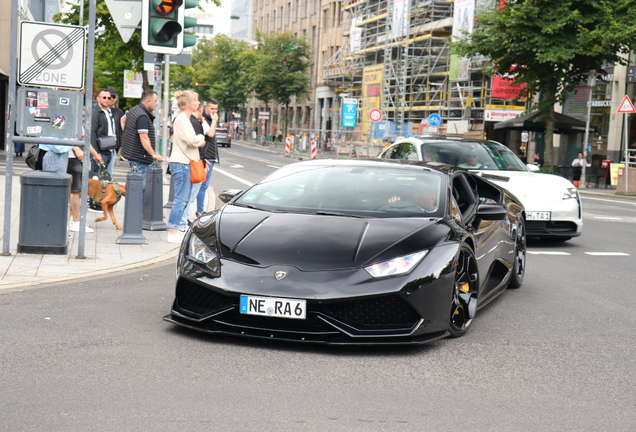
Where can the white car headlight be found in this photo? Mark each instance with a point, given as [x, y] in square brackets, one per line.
[396, 266]
[570, 193]
[199, 251]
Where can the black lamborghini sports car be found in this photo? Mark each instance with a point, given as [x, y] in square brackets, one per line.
[351, 252]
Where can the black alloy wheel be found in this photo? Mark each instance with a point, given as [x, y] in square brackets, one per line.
[519, 266]
[464, 304]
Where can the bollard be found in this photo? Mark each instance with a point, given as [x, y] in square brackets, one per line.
[287, 145]
[153, 210]
[170, 195]
[313, 149]
[133, 210]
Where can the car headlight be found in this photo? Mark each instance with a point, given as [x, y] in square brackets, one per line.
[199, 251]
[570, 193]
[396, 266]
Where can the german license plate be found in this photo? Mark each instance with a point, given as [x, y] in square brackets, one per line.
[273, 307]
[540, 216]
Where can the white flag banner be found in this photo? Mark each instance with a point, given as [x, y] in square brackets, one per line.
[355, 35]
[463, 18]
[401, 10]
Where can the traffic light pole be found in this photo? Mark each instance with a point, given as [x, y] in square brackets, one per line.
[166, 106]
[157, 88]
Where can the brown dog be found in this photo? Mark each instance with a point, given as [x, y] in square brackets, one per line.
[109, 197]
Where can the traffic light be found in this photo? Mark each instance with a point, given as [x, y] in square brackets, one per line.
[163, 23]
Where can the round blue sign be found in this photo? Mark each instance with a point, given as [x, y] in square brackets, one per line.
[434, 120]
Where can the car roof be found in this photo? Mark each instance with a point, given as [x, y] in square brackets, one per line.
[402, 164]
[444, 138]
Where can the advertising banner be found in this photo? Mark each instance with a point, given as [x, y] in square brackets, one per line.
[504, 88]
[371, 94]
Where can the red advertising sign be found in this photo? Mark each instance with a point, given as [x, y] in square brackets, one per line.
[504, 88]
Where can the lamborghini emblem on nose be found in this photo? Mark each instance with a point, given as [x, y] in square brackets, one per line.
[280, 274]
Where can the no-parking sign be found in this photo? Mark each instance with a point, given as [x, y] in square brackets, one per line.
[52, 55]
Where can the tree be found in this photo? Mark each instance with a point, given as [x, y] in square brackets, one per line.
[552, 46]
[219, 64]
[279, 69]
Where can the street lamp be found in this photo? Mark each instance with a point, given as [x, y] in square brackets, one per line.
[591, 83]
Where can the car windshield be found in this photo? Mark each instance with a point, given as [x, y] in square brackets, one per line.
[473, 155]
[375, 192]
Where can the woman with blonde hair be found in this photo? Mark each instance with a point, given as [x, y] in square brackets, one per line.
[185, 143]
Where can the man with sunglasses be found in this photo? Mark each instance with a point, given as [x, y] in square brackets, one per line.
[117, 114]
[102, 126]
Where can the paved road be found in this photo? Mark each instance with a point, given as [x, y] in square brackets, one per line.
[556, 355]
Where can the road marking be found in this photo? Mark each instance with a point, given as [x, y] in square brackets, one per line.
[233, 177]
[278, 165]
[547, 253]
[607, 253]
[273, 166]
[609, 200]
[608, 217]
[236, 166]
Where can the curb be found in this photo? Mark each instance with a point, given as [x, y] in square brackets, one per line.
[129, 266]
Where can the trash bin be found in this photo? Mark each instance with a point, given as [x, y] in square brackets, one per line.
[44, 213]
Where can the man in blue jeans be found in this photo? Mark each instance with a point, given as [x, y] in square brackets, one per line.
[208, 152]
[138, 137]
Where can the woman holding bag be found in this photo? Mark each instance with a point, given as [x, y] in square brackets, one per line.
[185, 143]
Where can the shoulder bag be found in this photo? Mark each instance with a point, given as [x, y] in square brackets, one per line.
[197, 171]
[34, 157]
[106, 143]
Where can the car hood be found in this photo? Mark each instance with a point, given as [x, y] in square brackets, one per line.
[531, 187]
[315, 242]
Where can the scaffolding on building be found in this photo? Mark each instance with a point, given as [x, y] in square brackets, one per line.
[410, 38]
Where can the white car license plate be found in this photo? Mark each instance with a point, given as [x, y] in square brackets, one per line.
[545, 216]
[273, 307]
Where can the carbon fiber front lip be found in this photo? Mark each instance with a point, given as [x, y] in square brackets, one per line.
[335, 338]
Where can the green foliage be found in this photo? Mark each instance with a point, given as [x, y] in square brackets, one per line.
[280, 67]
[551, 46]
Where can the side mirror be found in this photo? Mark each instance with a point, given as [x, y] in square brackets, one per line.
[491, 212]
[533, 167]
[227, 195]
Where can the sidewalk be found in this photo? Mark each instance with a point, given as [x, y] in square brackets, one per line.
[103, 254]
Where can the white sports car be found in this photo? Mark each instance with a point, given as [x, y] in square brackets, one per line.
[552, 203]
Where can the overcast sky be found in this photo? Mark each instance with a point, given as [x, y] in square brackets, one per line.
[221, 15]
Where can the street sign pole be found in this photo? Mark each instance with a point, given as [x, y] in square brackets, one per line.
[626, 133]
[626, 107]
[8, 179]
